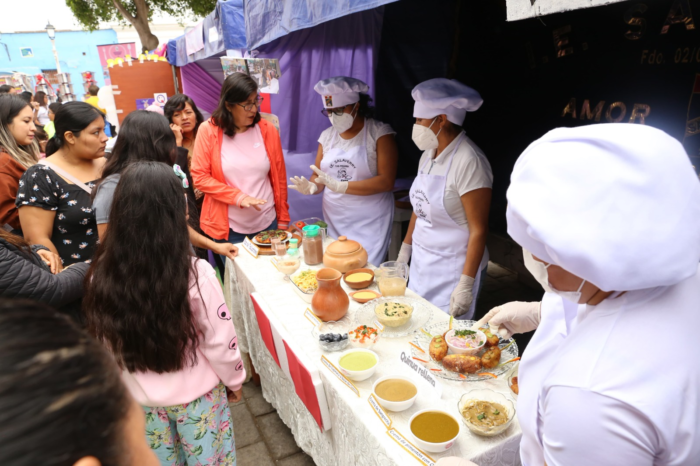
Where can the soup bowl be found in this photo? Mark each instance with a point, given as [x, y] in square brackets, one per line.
[395, 405]
[484, 394]
[430, 446]
[358, 376]
[468, 351]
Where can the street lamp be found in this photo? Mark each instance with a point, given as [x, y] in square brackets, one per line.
[51, 31]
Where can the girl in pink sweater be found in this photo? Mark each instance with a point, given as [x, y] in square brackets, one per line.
[161, 312]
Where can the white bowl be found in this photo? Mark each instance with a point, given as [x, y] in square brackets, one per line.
[468, 351]
[359, 376]
[434, 447]
[395, 405]
[484, 394]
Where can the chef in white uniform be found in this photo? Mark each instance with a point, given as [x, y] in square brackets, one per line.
[451, 197]
[608, 216]
[357, 157]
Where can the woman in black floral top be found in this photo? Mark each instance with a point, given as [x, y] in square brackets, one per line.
[55, 211]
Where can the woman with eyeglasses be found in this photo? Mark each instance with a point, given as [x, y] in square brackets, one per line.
[355, 167]
[239, 166]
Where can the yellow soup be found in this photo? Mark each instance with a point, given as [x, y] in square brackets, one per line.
[396, 390]
[364, 295]
[358, 277]
[434, 427]
[358, 361]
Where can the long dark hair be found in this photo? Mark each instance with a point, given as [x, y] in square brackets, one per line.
[17, 241]
[177, 104]
[40, 98]
[144, 137]
[10, 106]
[137, 289]
[237, 88]
[61, 395]
[71, 117]
[364, 109]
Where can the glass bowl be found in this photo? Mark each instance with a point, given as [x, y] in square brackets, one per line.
[369, 340]
[484, 394]
[334, 328]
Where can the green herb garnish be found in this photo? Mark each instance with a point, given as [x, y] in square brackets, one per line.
[496, 413]
[464, 333]
[481, 416]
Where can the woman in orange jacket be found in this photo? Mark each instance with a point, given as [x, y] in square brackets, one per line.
[238, 164]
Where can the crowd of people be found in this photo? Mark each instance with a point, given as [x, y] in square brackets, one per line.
[111, 254]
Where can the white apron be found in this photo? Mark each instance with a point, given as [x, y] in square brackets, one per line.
[439, 244]
[558, 316]
[365, 219]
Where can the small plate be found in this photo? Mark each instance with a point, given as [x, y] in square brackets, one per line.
[423, 341]
[420, 317]
[376, 294]
[289, 235]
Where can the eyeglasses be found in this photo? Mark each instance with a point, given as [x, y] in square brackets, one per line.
[335, 111]
[249, 107]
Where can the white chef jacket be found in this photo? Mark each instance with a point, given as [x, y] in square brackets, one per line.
[618, 383]
[470, 170]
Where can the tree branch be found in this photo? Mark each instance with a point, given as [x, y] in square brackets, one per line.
[141, 9]
[125, 13]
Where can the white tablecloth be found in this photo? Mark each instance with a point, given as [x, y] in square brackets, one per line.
[357, 436]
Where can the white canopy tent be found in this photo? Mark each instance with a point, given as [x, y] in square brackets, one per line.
[522, 9]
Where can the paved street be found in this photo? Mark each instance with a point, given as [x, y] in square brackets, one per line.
[262, 439]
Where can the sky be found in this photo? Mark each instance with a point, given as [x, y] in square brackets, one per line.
[16, 17]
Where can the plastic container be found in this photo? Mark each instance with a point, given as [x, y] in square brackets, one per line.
[313, 221]
[313, 244]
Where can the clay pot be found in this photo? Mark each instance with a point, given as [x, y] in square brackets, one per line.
[344, 255]
[330, 302]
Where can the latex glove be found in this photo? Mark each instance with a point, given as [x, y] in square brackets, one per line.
[330, 182]
[514, 317]
[304, 186]
[404, 253]
[462, 296]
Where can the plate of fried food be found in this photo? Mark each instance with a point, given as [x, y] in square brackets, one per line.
[265, 238]
[453, 350]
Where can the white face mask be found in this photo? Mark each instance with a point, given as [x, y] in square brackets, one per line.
[424, 137]
[539, 271]
[343, 122]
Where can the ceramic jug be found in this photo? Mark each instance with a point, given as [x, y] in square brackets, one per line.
[330, 302]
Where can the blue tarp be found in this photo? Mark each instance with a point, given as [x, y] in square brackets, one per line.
[239, 24]
[222, 29]
[267, 20]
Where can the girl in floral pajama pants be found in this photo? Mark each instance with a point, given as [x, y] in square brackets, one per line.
[193, 434]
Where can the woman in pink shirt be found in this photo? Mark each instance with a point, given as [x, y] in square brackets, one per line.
[161, 311]
[239, 166]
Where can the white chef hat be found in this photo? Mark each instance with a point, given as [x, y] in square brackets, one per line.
[445, 96]
[340, 91]
[615, 204]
